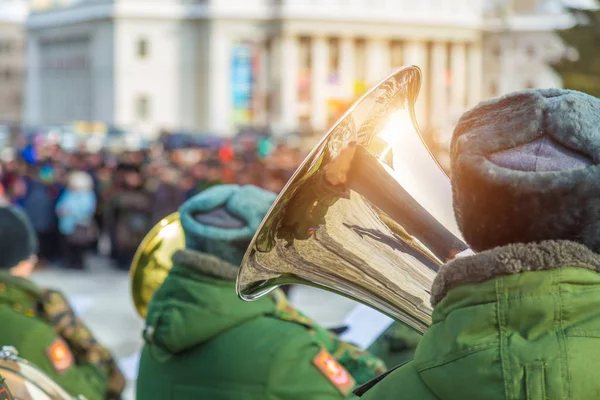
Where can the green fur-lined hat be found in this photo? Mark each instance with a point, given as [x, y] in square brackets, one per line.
[525, 169]
[222, 220]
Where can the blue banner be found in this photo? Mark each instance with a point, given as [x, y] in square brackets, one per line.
[242, 81]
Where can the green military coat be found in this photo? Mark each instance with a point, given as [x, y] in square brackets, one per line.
[202, 342]
[530, 330]
[24, 328]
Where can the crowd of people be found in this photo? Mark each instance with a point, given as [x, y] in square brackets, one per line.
[105, 202]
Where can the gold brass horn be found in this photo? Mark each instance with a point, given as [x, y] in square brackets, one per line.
[367, 215]
[152, 260]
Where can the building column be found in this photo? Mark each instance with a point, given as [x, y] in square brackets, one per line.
[415, 53]
[458, 65]
[318, 83]
[475, 62]
[288, 64]
[219, 84]
[33, 84]
[438, 92]
[378, 60]
[347, 69]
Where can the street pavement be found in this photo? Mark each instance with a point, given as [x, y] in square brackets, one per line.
[101, 297]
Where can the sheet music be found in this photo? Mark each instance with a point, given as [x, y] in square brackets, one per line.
[365, 325]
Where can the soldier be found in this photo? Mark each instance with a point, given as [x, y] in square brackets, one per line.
[519, 318]
[202, 342]
[41, 324]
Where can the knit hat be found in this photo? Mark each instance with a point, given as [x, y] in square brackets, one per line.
[222, 220]
[79, 180]
[525, 169]
[18, 240]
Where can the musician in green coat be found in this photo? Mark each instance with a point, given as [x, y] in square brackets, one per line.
[41, 325]
[519, 318]
[202, 342]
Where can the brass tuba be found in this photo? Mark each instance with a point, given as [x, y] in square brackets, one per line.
[152, 260]
[367, 215]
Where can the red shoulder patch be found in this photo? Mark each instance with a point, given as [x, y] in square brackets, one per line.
[334, 371]
[5, 394]
[60, 355]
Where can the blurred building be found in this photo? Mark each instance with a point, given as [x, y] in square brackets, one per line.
[213, 64]
[520, 45]
[12, 52]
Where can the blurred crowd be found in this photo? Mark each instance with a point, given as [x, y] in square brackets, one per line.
[106, 202]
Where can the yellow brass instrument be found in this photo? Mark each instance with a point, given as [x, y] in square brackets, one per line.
[367, 215]
[152, 261]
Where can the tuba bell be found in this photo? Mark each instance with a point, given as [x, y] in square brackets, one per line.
[367, 215]
[152, 260]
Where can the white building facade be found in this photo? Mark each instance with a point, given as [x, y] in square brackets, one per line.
[216, 64]
[12, 59]
[520, 45]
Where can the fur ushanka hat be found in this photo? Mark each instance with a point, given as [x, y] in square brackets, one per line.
[525, 169]
[221, 221]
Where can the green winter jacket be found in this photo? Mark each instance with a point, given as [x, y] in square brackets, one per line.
[25, 329]
[202, 342]
[517, 322]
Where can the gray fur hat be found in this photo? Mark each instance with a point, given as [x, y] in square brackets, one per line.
[525, 169]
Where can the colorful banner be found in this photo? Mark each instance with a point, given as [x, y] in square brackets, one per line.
[242, 83]
[360, 87]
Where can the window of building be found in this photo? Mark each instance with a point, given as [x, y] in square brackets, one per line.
[530, 85]
[305, 53]
[530, 51]
[142, 108]
[142, 48]
[493, 89]
[9, 46]
[17, 100]
[304, 78]
[526, 6]
[360, 59]
[396, 54]
[334, 55]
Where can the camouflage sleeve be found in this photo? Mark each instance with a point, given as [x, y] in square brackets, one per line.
[86, 349]
[362, 365]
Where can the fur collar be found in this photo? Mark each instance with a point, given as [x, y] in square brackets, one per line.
[512, 259]
[206, 264]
